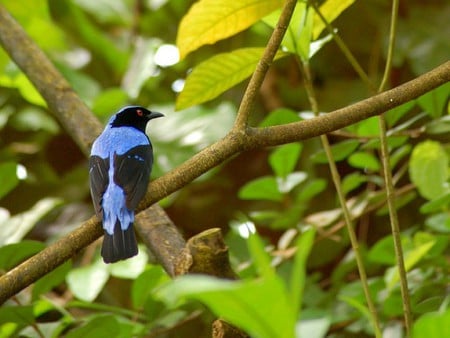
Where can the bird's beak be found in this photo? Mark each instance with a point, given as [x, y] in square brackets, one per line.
[154, 115]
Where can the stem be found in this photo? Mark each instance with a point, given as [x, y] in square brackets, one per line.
[263, 65]
[390, 192]
[348, 222]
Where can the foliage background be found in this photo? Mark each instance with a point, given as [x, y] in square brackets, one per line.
[108, 51]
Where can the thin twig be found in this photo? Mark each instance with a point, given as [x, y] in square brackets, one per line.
[347, 217]
[390, 191]
[263, 65]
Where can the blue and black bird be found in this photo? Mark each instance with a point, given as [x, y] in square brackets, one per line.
[119, 170]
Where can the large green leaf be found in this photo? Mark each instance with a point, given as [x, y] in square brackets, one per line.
[428, 169]
[433, 325]
[217, 74]
[284, 158]
[211, 20]
[240, 302]
[86, 282]
[263, 188]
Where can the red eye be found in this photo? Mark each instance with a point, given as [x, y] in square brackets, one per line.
[139, 112]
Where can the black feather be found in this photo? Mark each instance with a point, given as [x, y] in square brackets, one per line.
[98, 175]
[121, 245]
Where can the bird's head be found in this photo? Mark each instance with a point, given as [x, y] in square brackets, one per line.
[133, 116]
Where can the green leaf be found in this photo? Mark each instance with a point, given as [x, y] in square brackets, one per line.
[363, 160]
[439, 222]
[261, 259]
[439, 126]
[107, 102]
[14, 78]
[412, 257]
[239, 302]
[86, 282]
[13, 254]
[330, 9]
[144, 285]
[298, 275]
[353, 181]
[51, 280]
[217, 74]
[280, 116]
[264, 188]
[428, 169]
[99, 326]
[432, 325]
[209, 21]
[310, 189]
[130, 268]
[434, 101]
[284, 158]
[34, 119]
[395, 114]
[8, 177]
[383, 251]
[339, 150]
[436, 204]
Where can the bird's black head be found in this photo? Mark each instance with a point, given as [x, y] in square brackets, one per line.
[133, 116]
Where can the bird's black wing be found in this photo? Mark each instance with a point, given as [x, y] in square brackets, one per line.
[98, 176]
[132, 173]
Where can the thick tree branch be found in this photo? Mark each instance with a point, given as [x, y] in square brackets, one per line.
[235, 142]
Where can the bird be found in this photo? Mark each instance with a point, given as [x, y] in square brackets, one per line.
[120, 165]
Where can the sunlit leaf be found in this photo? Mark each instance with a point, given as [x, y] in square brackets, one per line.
[432, 325]
[34, 119]
[218, 74]
[428, 169]
[330, 9]
[239, 302]
[100, 326]
[352, 181]
[16, 227]
[130, 268]
[86, 282]
[264, 188]
[284, 158]
[211, 20]
[289, 182]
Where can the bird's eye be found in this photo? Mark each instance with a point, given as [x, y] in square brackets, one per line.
[139, 112]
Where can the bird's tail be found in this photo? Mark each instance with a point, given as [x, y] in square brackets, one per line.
[121, 245]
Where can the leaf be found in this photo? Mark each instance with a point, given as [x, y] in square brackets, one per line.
[428, 169]
[288, 183]
[432, 325]
[145, 283]
[129, 268]
[339, 150]
[86, 282]
[218, 74]
[284, 158]
[264, 188]
[352, 181]
[436, 204]
[261, 259]
[34, 119]
[51, 280]
[99, 326]
[279, 116]
[13, 254]
[365, 161]
[330, 9]
[239, 302]
[434, 101]
[16, 227]
[8, 177]
[298, 275]
[412, 257]
[209, 21]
